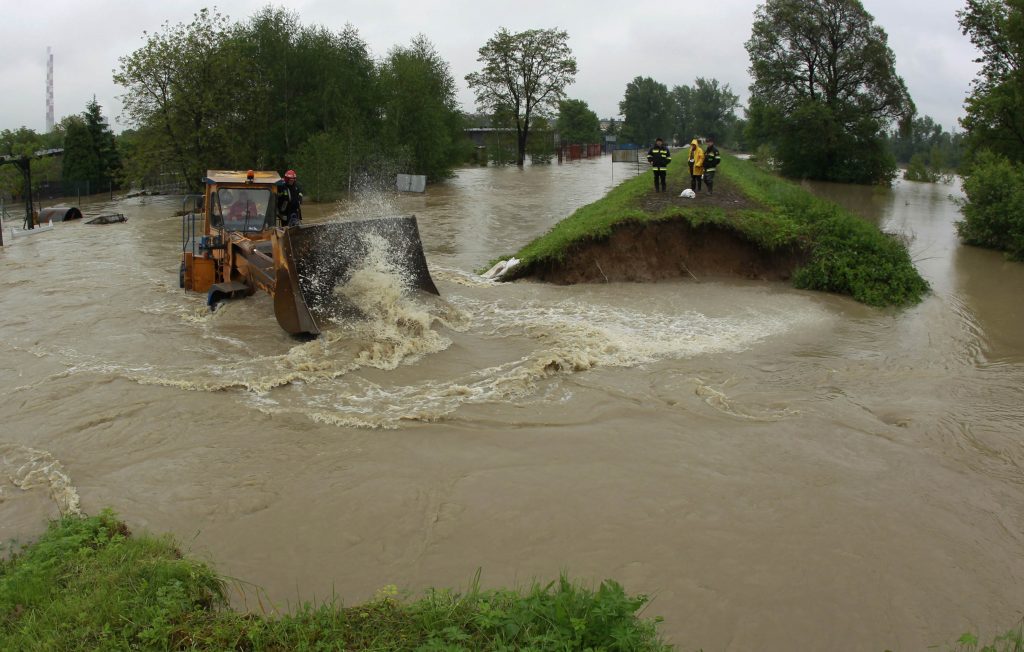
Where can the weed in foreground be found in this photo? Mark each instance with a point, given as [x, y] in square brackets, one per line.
[89, 584]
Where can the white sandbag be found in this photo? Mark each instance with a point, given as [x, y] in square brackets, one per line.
[501, 269]
[510, 264]
[494, 271]
[689, 194]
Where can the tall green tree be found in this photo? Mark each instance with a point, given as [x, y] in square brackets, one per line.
[302, 81]
[577, 123]
[682, 107]
[90, 150]
[995, 107]
[647, 111]
[270, 92]
[524, 73]
[704, 109]
[180, 82]
[81, 164]
[994, 174]
[825, 89]
[421, 114]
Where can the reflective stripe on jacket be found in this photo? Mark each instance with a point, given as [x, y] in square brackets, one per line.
[659, 158]
[711, 159]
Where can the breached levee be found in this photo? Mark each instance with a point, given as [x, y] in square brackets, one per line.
[666, 249]
[756, 226]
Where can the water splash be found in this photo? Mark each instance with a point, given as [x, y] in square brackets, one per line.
[393, 328]
[28, 468]
[537, 340]
[563, 338]
[374, 196]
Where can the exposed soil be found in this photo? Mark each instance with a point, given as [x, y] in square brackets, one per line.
[653, 251]
[672, 248]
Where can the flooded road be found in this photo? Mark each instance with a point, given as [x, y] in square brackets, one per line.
[779, 469]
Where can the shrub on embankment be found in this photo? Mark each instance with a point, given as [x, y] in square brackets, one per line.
[844, 253]
[994, 209]
[89, 584]
[847, 254]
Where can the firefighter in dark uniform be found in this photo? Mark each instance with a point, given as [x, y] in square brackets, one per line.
[711, 160]
[289, 200]
[659, 157]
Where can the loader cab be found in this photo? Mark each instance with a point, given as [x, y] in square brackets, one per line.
[241, 202]
[245, 209]
[238, 208]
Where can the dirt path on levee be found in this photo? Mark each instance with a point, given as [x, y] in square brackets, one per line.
[726, 195]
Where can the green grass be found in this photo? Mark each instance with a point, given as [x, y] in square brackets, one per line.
[88, 584]
[1011, 641]
[846, 255]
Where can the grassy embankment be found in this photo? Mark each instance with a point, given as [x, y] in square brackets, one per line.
[89, 584]
[846, 255]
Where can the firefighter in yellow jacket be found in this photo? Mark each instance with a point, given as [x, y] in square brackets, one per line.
[659, 157]
[696, 165]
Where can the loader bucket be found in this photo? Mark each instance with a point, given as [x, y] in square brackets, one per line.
[312, 260]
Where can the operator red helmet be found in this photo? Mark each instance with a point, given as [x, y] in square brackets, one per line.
[290, 174]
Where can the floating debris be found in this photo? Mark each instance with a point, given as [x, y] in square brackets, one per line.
[112, 218]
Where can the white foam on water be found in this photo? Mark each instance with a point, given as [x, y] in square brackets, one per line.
[544, 339]
[717, 398]
[462, 277]
[28, 469]
[559, 337]
[568, 337]
[592, 334]
[396, 328]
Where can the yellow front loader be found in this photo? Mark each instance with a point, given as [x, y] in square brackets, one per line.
[241, 247]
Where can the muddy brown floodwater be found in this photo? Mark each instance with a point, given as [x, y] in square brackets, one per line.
[779, 469]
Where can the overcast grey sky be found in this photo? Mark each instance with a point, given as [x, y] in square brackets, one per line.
[674, 42]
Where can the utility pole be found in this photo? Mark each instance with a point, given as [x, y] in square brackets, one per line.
[26, 170]
[24, 164]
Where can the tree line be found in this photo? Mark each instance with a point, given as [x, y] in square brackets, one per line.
[272, 93]
[994, 124]
[91, 162]
[650, 110]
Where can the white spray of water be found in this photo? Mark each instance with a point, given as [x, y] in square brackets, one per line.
[28, 468]
[396, 328]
